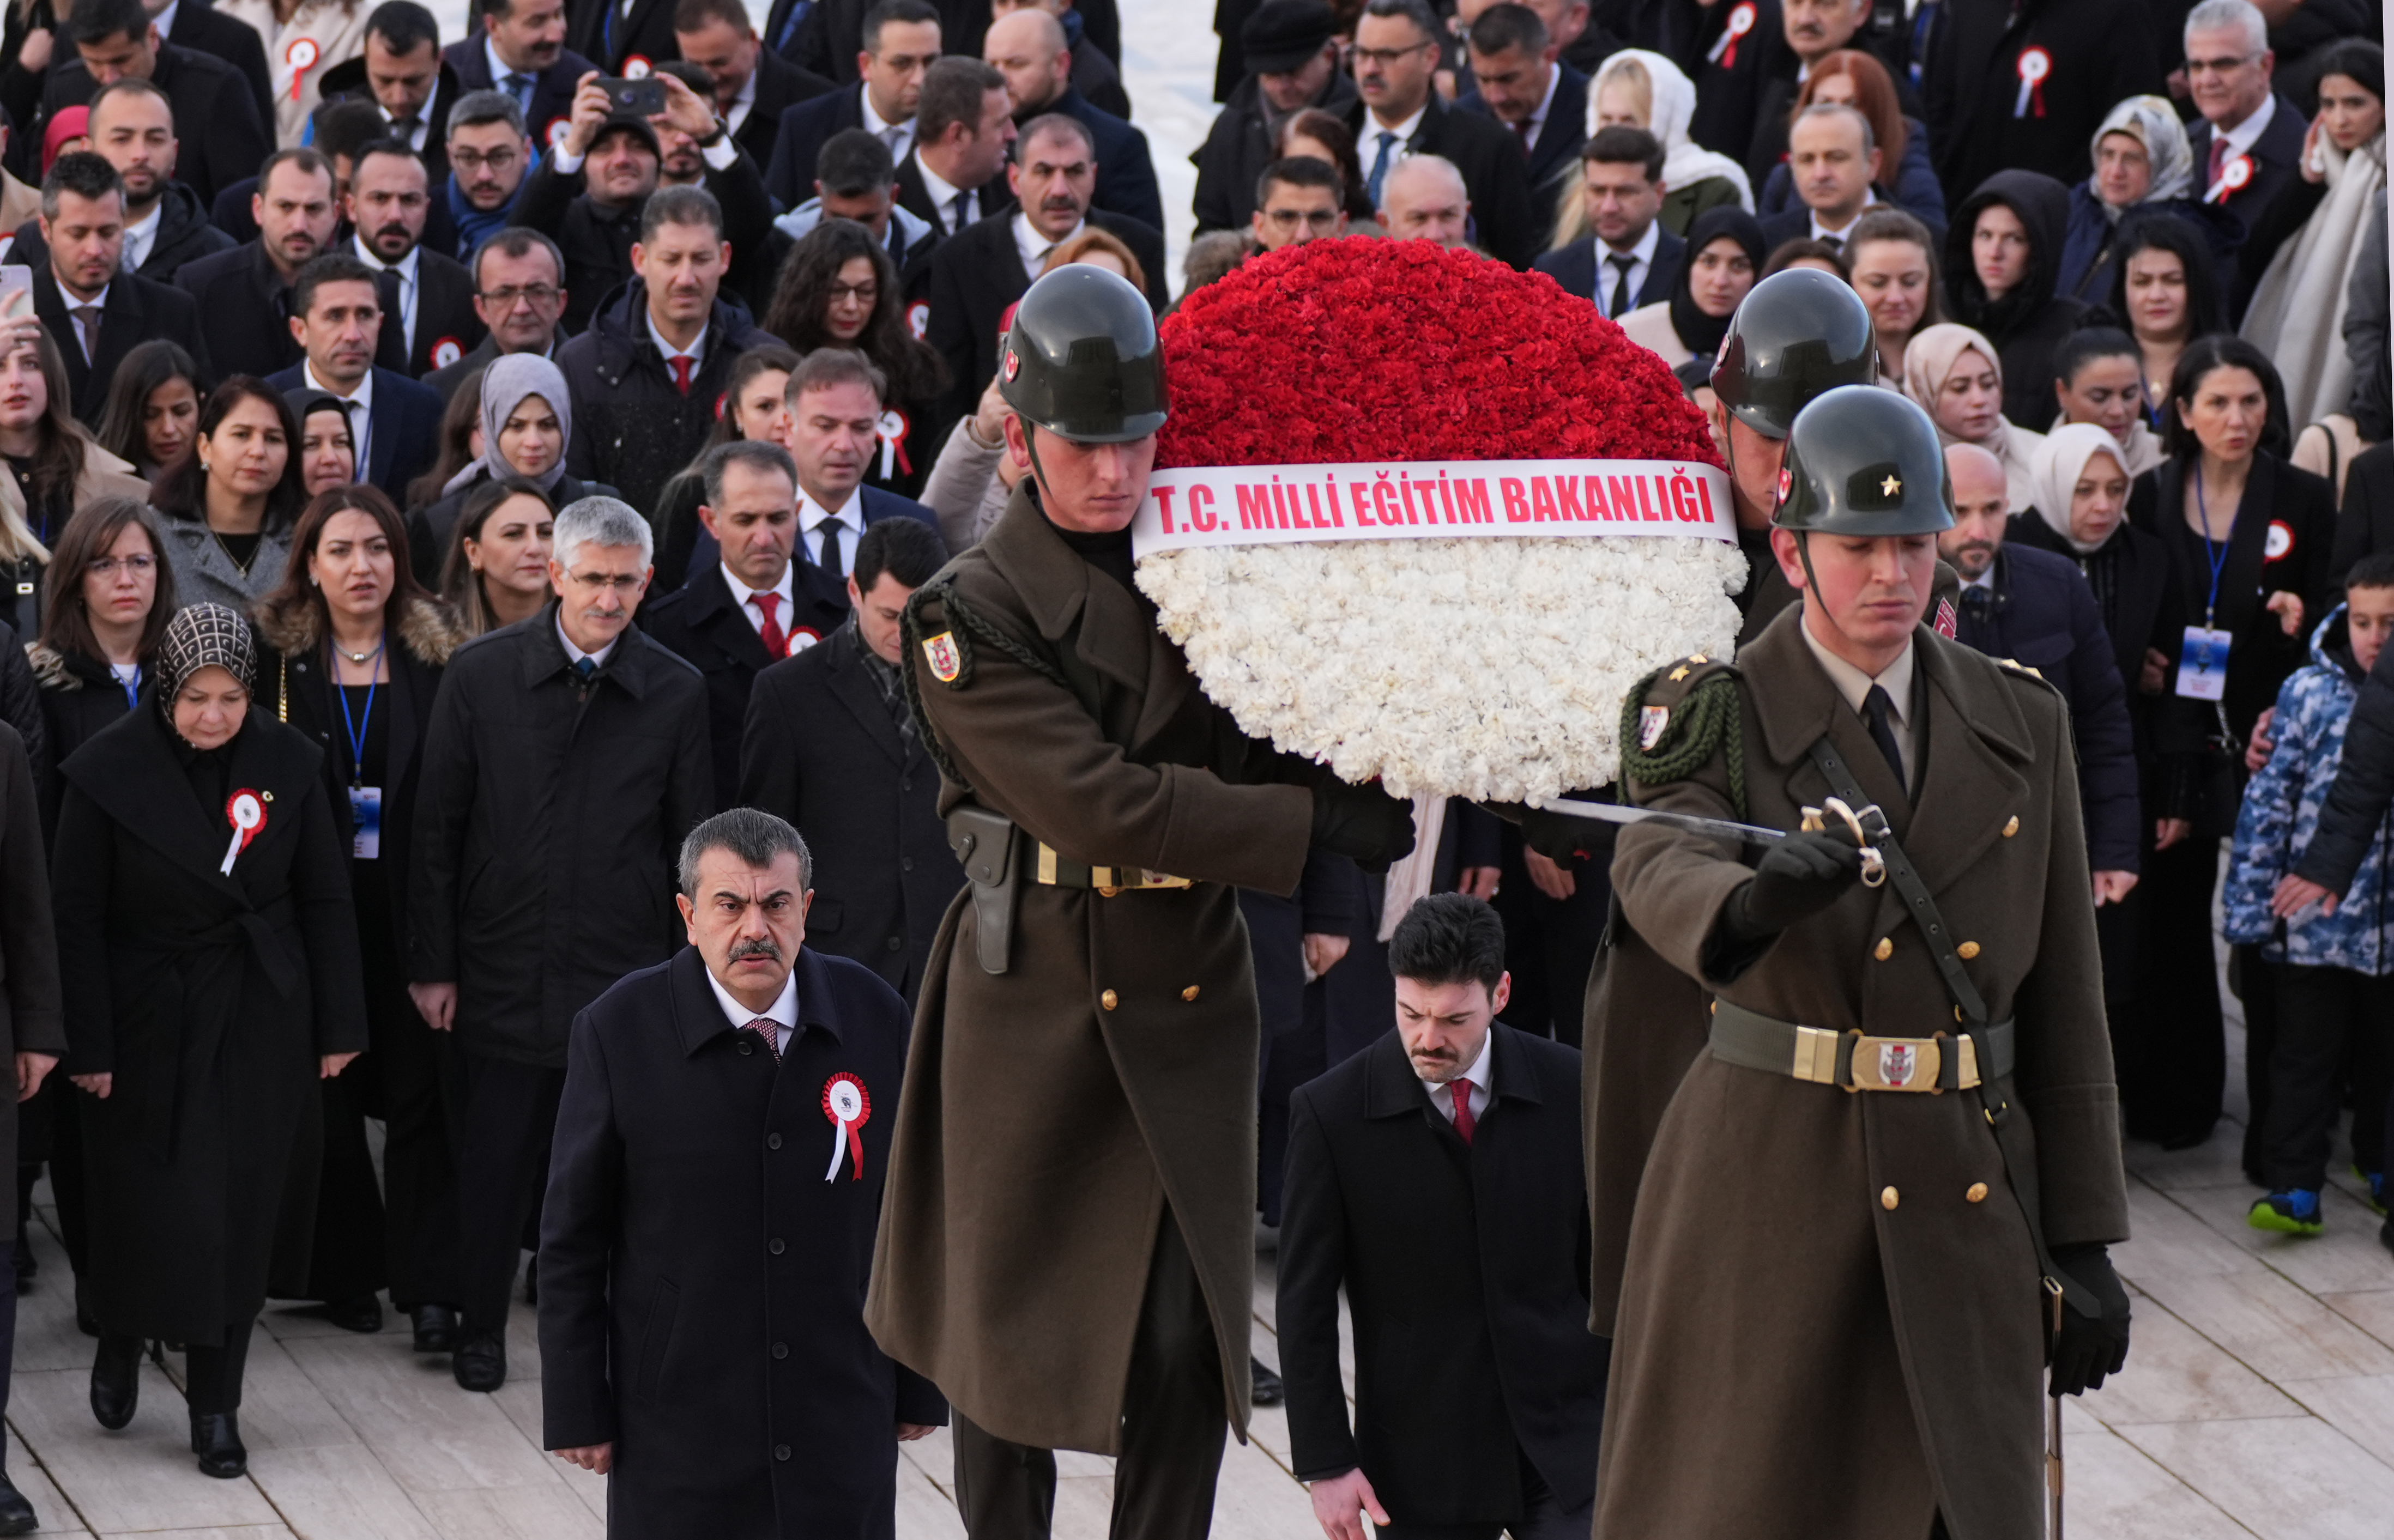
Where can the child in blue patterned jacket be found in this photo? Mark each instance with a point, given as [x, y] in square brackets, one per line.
[2334, 961]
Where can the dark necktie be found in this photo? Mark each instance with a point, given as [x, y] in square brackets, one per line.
[1978, 606]
[390, 347]
[585, 670]
[1463, 1124]
[1835, 242]
[1876, 708]
[2218, 160]
[957, 217]
[519, 88]
[1620, 266]
[767, 1029]
[1521, 132]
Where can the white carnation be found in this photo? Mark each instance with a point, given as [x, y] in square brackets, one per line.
[1490, 669]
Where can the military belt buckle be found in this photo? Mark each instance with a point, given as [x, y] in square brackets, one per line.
[1898, 1064]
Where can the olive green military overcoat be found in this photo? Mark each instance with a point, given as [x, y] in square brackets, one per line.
[1830, 1322]
[1053, 1113]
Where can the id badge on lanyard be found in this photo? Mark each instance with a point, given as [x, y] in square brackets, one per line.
[366, 820]
[2202, 664]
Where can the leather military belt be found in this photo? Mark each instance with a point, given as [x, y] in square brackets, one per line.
[1056, 871]
[1856, 1060]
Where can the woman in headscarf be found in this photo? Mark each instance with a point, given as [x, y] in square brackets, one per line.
[1724, 260]
[2142, 162]
[328, 455]
[2298, 312]
[1645, 90]
[1956, 376]
[2003, 254]
[354, 656]
[527, 424]
[209, 949]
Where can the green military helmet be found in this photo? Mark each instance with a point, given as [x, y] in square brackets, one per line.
[1082, 360]
[1796, 335]
[1864, 461]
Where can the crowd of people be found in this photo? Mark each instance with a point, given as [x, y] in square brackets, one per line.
[445, 471]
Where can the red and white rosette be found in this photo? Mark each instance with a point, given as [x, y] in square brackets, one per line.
[1724, 49]
[2034, 65]
[893, 428]
[2234, 178]
[846, 1103]
[245, 810]
[300, 57]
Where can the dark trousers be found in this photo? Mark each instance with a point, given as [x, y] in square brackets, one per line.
[1289, 1060]
[7, 1343]
[504, 1115]
[1542, 1518]
[419, 1163]
[2171, 1054]
[2327, 1018]
[346, 1260]
[212, 1376]
[1550, 943]
[1173, 1425]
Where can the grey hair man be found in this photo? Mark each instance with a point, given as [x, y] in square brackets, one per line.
[570, 752]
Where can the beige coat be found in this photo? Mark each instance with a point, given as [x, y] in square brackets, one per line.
[1051, 1113]
[335, 30]
[1820, 1332]
[103, 475]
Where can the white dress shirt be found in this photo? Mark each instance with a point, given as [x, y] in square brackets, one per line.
[423, 129]
[499, 73]
[1367, 144]
[943, 195]
[848, 519]
[1823, 232]
[1034, 246]
[783, 1012]
[1537, 124]
[1641, 264]
[695, 352]
[1854, 685]
[361, 412]
[139, 237]
[2241, 138]
[740, 104]
[738, 587]
[1479, 1075]
[899, 137]
[575, 654]
[165, 21]
[97, 302]
[405, 268]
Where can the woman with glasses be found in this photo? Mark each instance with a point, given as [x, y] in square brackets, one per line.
[839, 289]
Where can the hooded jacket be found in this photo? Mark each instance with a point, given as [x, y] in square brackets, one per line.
[2280, 815]
[633, 428]
[2027, 324]
[1239, 145]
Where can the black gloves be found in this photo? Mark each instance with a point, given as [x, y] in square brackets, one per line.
[1363, 823]
[2087, 1351]
[1796, 878]
[1566, 839]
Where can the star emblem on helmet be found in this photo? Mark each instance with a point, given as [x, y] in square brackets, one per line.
[1891, 486]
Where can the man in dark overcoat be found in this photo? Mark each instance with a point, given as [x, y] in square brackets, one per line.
[1068, 1250]
[1903, 1143]
[702, 1332]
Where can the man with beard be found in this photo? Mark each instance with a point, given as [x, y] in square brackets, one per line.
[132, 128]
[521, 53]
[1292, 64]
[489, 157]
[427, 299]
[114, 40]
[96, 313]
[1029, 49]
[245, 293]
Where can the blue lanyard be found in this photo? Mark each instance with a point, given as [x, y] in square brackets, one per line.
[132, 689]
[357, 733]
[2216, 556]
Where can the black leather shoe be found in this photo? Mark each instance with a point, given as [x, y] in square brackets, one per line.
[436, 1328]
[481, 1363]
[216, 1439]
[360, 1314]
[116, 1382]
[16, 1513]
[1268, 1391]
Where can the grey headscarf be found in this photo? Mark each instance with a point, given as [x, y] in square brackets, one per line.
[506, 382]
[2151, 122]
[200, 636]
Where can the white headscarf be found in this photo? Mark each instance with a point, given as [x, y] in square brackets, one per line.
[1928, 357]
[1674, 97]
[2056, 467]
[2151, 122]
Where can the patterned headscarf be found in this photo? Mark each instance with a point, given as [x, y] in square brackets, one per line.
[200, 636]
[2151, 122]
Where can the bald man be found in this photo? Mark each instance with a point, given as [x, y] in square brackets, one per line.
[1094, 74]
[1424, 199]
[2035, 608]
[1030, 49]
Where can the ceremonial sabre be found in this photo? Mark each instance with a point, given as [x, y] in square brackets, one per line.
[2053, 1419]
[1752, 834]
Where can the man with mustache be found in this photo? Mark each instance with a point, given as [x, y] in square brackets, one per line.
[689, 1210]
[427, 299]
[566, 761]
[245, 293]
[1435, 1176]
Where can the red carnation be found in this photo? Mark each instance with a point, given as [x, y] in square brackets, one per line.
[1362, 350]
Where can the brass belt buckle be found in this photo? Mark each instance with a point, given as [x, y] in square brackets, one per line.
[1897, 1064]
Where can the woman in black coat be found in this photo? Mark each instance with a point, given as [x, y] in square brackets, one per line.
[353, 656]
[2250, 537]
[108, 594]
[210, 956]
[2024, 215]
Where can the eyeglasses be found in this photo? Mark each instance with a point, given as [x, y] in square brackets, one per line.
[540, 296]
[1384, 56]
[863, 293]
[105, 567]
[470, 160]
[1314, 219]
[599, 582]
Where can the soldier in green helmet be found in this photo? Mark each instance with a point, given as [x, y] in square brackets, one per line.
[1067, 1246]
[1880, 1197]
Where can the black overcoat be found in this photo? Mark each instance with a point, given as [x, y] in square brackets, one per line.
[1466, 1266]
[209, 997]
[30, 1018]
[702, 1282]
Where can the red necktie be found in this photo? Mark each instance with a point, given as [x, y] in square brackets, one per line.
[767, 1029]
[777, 644]
[1521, 129]
[681, 373]
[1461, 1091]
[2219, 159]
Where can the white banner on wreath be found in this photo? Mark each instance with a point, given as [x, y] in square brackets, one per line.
[1204, 507]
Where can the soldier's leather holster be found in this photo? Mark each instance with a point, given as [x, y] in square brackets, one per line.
[985, 845]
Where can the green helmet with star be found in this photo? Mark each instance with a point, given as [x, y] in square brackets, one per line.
[1864, 461]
